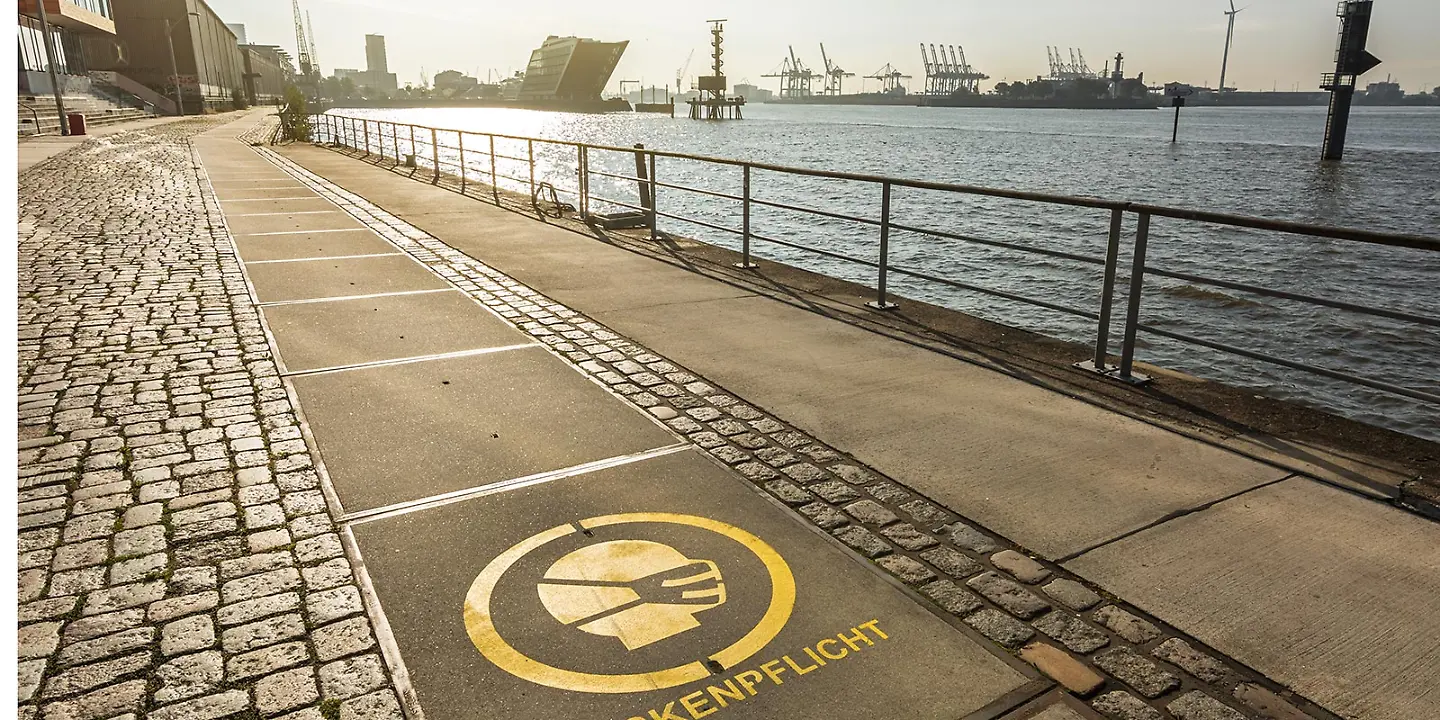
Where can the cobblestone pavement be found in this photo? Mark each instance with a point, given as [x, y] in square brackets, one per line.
[1125, 664]
[177, 560]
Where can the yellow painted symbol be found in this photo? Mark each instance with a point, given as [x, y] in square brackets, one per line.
[637, 591]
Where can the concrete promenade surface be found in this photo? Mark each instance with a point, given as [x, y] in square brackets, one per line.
[303, 437]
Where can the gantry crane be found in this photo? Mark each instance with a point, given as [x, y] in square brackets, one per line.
[834, 76]
[889, 79]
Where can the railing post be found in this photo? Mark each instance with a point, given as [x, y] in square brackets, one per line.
[414, 152]
[1132, 316]
[395, 140]
[494, 176]
[1107, 293]
[460, 142]
[435, 156]
[530, 154]
[654, 216]
[582, 180]
[366, 128]
[745, 224]
[881, 302]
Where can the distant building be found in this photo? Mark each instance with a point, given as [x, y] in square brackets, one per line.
[375, 60]
[453, 83]
[754, 93]
[376, 75]
[239, 30]
[268, 70]
[570, 68]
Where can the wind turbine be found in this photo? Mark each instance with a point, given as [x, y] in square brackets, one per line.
[1229, 36]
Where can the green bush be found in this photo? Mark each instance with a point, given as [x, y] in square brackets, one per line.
[295, 117]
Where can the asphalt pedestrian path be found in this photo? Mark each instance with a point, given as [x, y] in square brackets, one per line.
[177, 559]
[554, 518]
[1330, 594]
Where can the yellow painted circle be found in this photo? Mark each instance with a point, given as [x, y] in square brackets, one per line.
[481, 627]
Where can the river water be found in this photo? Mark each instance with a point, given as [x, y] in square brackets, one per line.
[1252, 161]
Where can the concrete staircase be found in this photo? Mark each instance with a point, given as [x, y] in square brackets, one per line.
[37, 115]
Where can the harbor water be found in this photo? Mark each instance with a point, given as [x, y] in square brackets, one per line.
[1251, 161]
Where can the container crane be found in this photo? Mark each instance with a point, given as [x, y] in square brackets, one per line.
[834, 75]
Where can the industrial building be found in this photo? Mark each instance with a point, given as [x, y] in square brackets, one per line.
[207, 67]
[570, 69]
[268, 70]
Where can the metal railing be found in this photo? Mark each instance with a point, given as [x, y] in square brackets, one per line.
[387, 139]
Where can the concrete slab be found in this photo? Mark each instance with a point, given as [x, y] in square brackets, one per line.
[299, 200]
[251, 190]
[350, 332]
[339, 278]
[397, 433]
[547, 576]
[314, 245]
[1052, 473]
[541, 256]
[309, 219]
[1334, 596]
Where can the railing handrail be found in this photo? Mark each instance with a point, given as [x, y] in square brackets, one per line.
[646, 212]
[1418, 242]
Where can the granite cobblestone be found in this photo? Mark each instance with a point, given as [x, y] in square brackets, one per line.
[150, 408]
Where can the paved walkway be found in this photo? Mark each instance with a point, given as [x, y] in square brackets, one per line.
[574, 480]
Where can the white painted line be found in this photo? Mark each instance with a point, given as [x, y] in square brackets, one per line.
[268, 187]
[294, 212]
[508, 485]
[303, 232]
[342, 298]
[327, 257]
[409, 360]
[274, 199]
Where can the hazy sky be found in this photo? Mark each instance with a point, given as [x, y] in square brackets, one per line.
[1278, 43]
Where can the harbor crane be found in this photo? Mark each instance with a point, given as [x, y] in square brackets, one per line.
[795, 78]
[889, 79]
[302, 46]
[947, 72]
[834, 76]
[314, 56]
[680, 74]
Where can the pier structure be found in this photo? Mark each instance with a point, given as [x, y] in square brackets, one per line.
[949, 74]
[1351, 61]
[712, 103]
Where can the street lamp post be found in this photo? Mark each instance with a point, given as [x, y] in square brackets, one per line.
[174, 69]
[50, 63]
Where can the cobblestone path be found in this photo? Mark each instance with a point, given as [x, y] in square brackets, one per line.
[176, 556]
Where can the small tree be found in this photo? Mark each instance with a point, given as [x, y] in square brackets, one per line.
[237, 96]
[295, 116]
